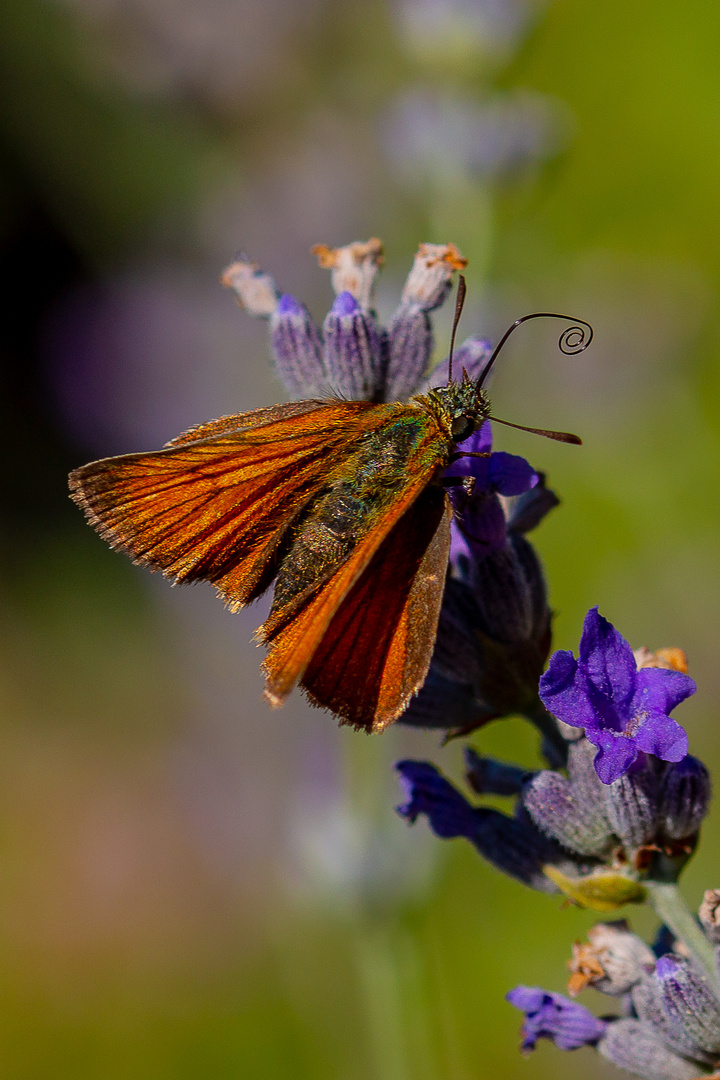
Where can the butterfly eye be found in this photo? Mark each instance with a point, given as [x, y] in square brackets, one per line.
[462, 428]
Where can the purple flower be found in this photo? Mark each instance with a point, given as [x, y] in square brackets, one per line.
[512, 845]
[624, 711]
[552, 1016]
[427, 792]
[480, 521]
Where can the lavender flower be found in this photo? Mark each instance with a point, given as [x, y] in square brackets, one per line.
[480, 521]
[352, 355]
[512, 845]
[624, 711]
[552, 1016]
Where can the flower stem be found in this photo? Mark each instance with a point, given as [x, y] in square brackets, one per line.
[669, 905]
[555, 747]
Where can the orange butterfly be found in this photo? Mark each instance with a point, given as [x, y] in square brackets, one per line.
[340, 503]
[333, 500]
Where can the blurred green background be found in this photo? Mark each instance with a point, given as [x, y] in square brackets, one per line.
[192, 885]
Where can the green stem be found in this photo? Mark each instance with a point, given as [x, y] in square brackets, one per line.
[669, 905]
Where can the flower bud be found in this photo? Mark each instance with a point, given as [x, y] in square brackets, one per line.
[410, 346]
[430, 279]
[353, 350]
[574, 822]
[471, 356]
[298, 349]
[660, 999]
[613, 960]
[691, 1007]
[254, 290]
[631, 806]
[684, 798]
[353, 267]
[638, 1048]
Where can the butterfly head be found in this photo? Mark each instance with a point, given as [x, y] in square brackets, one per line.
[460, 407]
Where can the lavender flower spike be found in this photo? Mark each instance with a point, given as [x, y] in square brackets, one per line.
[624, 711]
[552, 1016]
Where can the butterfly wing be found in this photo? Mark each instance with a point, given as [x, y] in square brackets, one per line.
[216, 507]
[361, 645]
[376, 653]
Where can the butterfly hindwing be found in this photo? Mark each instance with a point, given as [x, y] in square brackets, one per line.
[376, 652]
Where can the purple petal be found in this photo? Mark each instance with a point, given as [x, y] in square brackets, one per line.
[607, 658]
[555, 1017]
[526, 998]
[459, 548]
[288, 305]
[527, 510]
[428, 792]
[481, 439]
[662, 736]
[563, 692]
[659, 688]
[482, 523]
[510, 474]
[480, 442]
[616, 753]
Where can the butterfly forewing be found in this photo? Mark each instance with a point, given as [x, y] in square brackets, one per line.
[216, 508]
[234, 501]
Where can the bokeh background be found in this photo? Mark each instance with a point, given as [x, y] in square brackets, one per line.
[192, 885]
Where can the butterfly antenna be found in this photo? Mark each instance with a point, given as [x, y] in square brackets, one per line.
[559, 436]
[459, 304]
[575, 339]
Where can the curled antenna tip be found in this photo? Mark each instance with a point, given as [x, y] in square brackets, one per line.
[573, 340]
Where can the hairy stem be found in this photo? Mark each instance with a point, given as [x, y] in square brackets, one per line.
[669, 905]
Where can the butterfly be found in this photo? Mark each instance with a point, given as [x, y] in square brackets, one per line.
[340, 503]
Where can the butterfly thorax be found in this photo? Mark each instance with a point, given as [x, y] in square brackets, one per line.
[459, 408]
